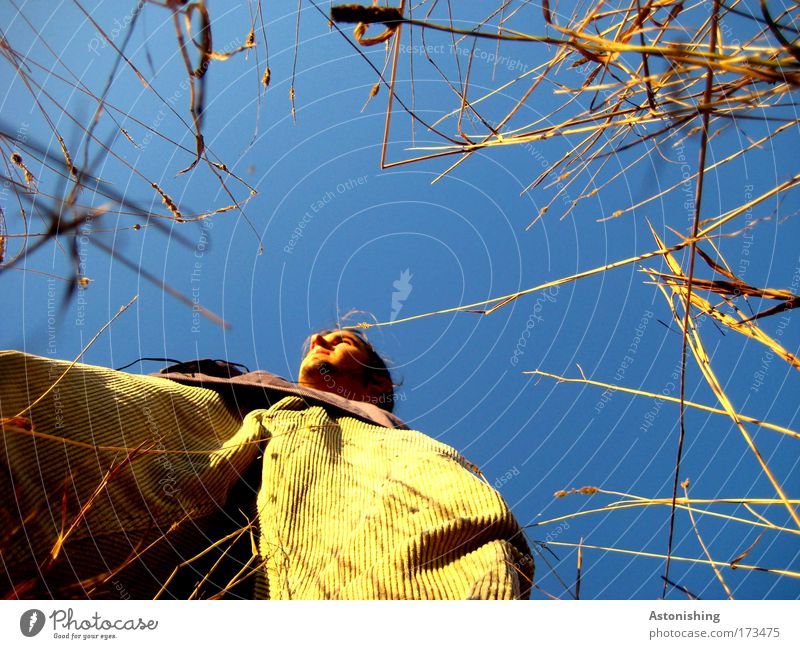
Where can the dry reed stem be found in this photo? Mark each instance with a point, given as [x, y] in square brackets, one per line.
[233, 536]
[23, 66]
[681, 504]
[737, 67]
[122, 310]
[705, 562]
[717, 573]
[630, 500]
[242, 575]
[704, 363]
[498, 302]
[109, 475]
[665, 397]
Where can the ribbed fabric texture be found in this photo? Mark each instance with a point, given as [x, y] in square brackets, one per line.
[46, 483]
[352, 510]
[346, 509]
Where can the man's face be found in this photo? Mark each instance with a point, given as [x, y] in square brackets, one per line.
[335, 362]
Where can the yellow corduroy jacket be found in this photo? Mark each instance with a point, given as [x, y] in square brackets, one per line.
[118, 485]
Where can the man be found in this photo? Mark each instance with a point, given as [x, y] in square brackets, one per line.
[201, 485]
[344, 363]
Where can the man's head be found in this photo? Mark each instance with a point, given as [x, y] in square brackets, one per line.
[343, 362]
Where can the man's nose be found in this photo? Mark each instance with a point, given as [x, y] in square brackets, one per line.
[319, 341]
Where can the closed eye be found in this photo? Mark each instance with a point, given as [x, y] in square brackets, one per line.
[336, 340]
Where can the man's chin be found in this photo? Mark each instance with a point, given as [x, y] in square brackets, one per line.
[313, 372]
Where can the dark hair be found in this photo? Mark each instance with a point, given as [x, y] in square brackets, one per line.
[375, 369]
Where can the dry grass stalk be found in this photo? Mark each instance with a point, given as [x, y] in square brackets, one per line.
[705, 562]
[665, 397]
[632, 501]
[114, 470]
[679, 283]
[717, 573]
[24, 65]
[230, 538]
[704, 363]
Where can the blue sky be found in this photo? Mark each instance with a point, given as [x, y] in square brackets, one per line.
[338, 233]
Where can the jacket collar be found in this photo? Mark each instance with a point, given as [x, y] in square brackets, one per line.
[251, 382]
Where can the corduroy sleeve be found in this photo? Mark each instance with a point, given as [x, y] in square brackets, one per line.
[107, 481]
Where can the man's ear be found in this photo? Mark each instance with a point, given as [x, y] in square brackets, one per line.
[380, 384]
